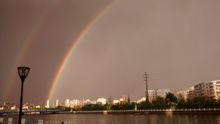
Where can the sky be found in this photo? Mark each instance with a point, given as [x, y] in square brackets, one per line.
[175, 42]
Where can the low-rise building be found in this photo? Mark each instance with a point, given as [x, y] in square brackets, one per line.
[115, 101]
[102, 101]
[181, 94]
[153, 94]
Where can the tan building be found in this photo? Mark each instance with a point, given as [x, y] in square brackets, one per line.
[214, 89]
[181, 94]
[190, 93]
[210, 90]
[202, 90]
[153, 94]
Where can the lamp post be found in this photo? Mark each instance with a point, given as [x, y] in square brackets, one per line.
[23, 73]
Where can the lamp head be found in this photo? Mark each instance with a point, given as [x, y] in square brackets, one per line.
[23, 72]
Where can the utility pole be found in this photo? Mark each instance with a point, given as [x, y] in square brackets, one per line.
[146, 92]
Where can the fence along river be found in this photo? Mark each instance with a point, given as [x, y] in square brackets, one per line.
[160, 116]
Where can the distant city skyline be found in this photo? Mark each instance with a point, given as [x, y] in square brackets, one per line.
[81, 49]
[206, 90]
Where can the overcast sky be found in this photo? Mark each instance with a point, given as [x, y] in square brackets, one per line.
[175, 42]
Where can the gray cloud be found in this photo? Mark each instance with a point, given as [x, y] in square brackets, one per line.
[176, 42]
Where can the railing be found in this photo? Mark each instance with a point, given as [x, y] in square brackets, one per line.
[147, 111]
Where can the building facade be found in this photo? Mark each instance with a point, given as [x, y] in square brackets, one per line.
[153, 94]
[209, 90]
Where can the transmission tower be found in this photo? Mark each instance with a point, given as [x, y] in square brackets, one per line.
[146, 92]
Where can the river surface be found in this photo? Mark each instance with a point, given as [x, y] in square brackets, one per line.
[116, 119]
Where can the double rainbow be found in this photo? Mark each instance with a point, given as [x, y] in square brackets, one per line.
[29, 40]
[75, 42]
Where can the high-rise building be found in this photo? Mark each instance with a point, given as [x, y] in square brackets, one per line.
[214, 89]
[210, 90]
[67, 102]
[201, 89]
[47, 104]
[57, 103]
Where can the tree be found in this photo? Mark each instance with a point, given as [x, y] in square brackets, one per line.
[171, 100]
[159, 103]
[181, 103]
[123, 106]
[92, 107]
[144, 105]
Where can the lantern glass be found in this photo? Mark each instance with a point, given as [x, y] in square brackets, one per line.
[23, 72]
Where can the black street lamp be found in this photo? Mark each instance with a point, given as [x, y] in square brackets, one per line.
[23, 73]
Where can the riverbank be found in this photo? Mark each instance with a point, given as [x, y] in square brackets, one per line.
[150, 111]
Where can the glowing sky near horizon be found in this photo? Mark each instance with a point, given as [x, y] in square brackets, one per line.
[176, 42]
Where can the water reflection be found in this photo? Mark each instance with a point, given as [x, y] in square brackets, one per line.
[119, 119]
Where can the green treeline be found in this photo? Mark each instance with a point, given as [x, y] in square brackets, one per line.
[169, 102]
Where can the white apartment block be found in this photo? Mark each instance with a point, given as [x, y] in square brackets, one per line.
[57, 103]
[67, 102]
[214, 89]
[115, 101]
[47, 104]
[75, 103]
[102, 101]
[208, 90]
[190, 93]
[153, 94]
[181, 94]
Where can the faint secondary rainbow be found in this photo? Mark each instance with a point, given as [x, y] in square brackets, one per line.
[76, 41]
[19, 60]
[27, 42]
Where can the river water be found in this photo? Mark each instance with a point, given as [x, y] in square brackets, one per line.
[116, 119]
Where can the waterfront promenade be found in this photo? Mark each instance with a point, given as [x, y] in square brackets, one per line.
[148, 111]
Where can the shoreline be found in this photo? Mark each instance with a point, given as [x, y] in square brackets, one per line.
[115, 112]
[167, 111]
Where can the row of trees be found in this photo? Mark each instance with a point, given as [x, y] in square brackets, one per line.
[169, 102]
